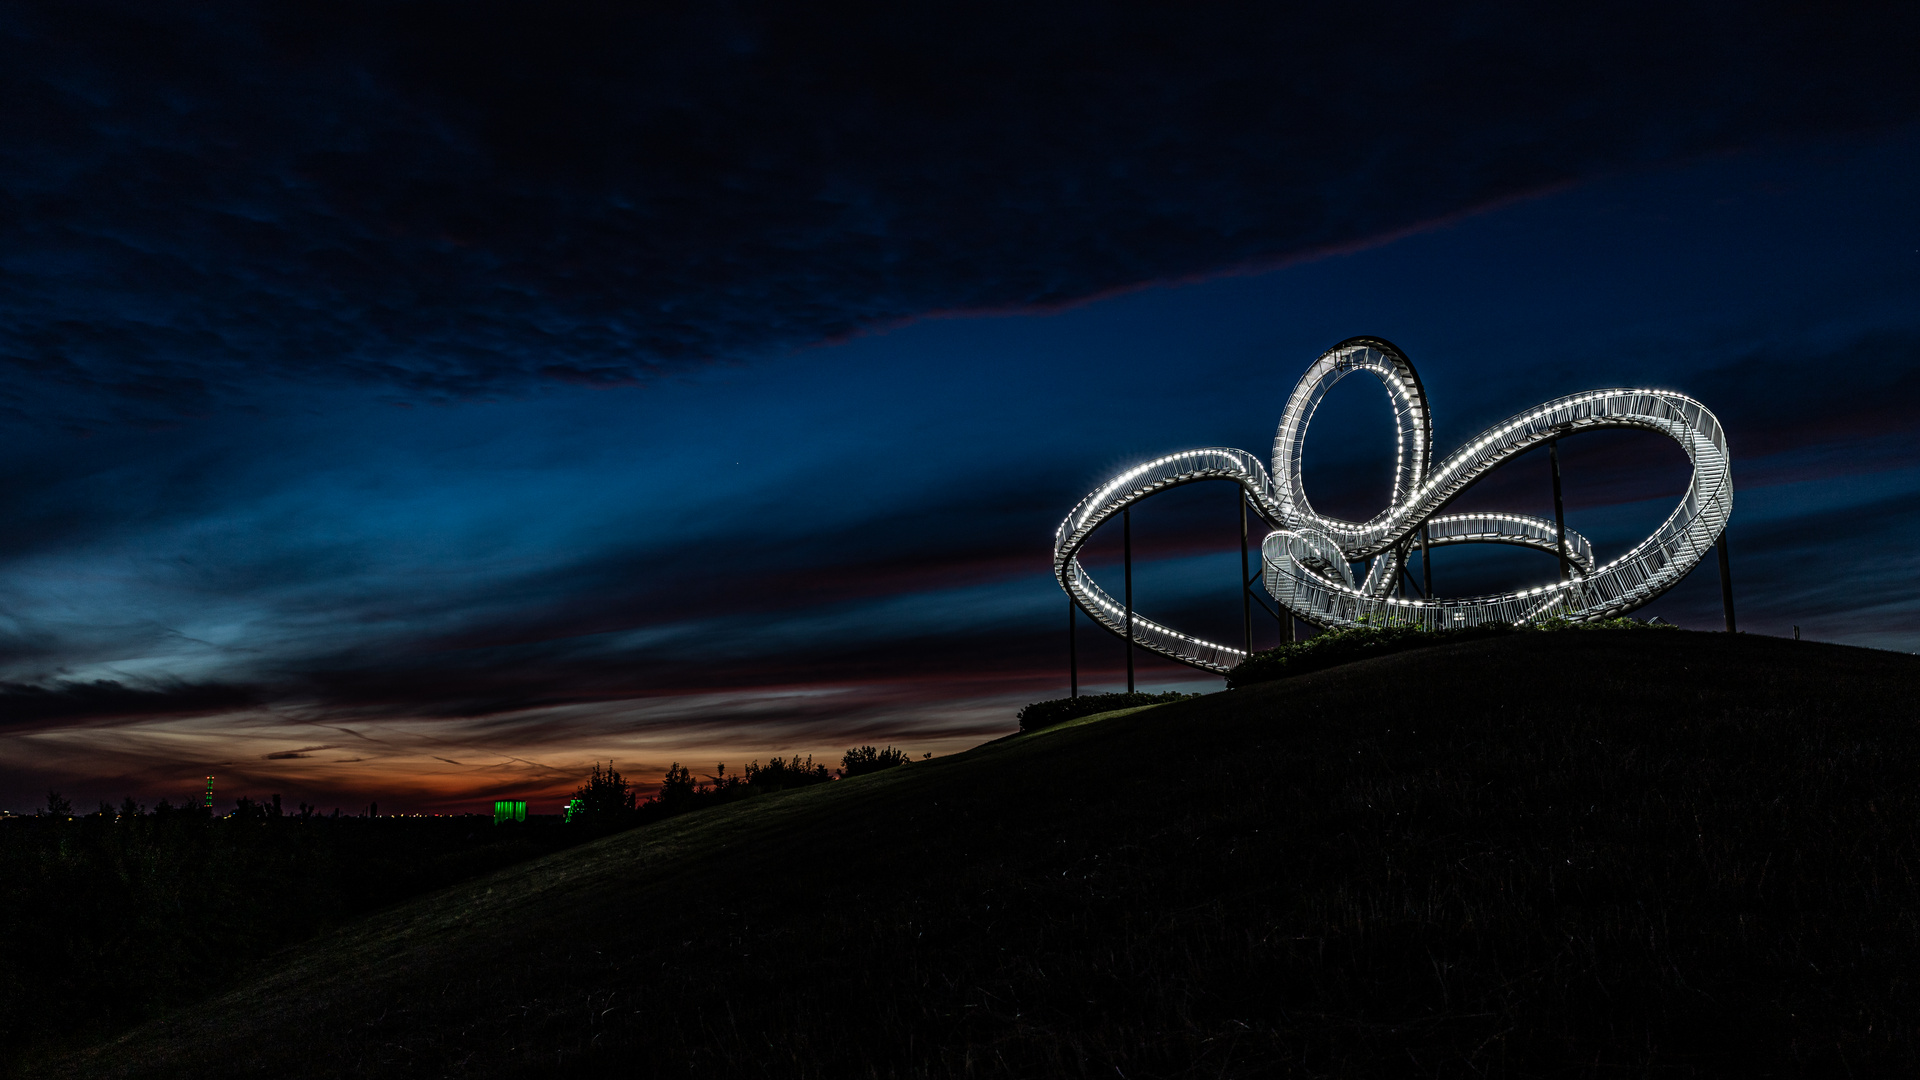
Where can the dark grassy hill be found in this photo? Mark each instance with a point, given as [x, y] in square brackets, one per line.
[1606, 854]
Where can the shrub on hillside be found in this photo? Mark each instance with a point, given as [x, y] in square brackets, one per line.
[865, 759]
[1621, 622]
[1043, 714]
[779, 774]
[1335, 647]
[605, 799]
[681, 791]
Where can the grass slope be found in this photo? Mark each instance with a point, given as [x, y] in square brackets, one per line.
[1567, 854]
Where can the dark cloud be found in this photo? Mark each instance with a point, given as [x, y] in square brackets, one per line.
[104, 698]
[284, 755]
[1849, 398]
[470, 198]
[1841, 572]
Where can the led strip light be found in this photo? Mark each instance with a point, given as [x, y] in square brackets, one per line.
[1306, 562]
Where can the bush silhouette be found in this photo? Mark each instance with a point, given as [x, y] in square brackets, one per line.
[605, 799]
[779, 774]
[680, 791]
[1334, 647]
[1042, 714]
[865, 759]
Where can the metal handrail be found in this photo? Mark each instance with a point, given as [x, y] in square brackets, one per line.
[1306, 563]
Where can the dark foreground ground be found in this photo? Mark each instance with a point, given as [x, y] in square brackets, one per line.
[116, 917]
[1573, 854]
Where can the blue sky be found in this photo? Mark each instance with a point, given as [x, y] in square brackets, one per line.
[862, 526]
[426, 520]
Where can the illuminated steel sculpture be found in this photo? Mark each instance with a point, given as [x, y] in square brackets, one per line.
[1306, 560]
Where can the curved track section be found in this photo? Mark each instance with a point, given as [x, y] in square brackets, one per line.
[1106, 503]
[1306, 563]
[1413, 432]
[1518, 530]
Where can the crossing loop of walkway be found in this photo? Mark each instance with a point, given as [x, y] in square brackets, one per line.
[1307, 560]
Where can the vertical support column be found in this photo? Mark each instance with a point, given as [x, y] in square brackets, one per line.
[1282, 615]
[1559, 515]
[1073, 650]
[1426, 566]
[1281, 612]
[1246, 583]
[1726, 581]
[1126, 550]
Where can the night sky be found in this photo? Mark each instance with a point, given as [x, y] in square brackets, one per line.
[416, 402]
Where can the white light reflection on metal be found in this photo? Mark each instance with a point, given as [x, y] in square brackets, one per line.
[1305, 563]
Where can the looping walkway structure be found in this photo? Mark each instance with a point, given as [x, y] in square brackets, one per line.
[1306, 562]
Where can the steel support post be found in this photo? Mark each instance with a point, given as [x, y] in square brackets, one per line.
[1676, 547]
[1426, 566]
[1559, 515]
[1073, 650]
[1126, 550]
[1246, 588]
[1726, 582]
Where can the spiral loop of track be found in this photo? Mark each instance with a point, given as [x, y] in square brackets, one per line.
[1306, 562]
